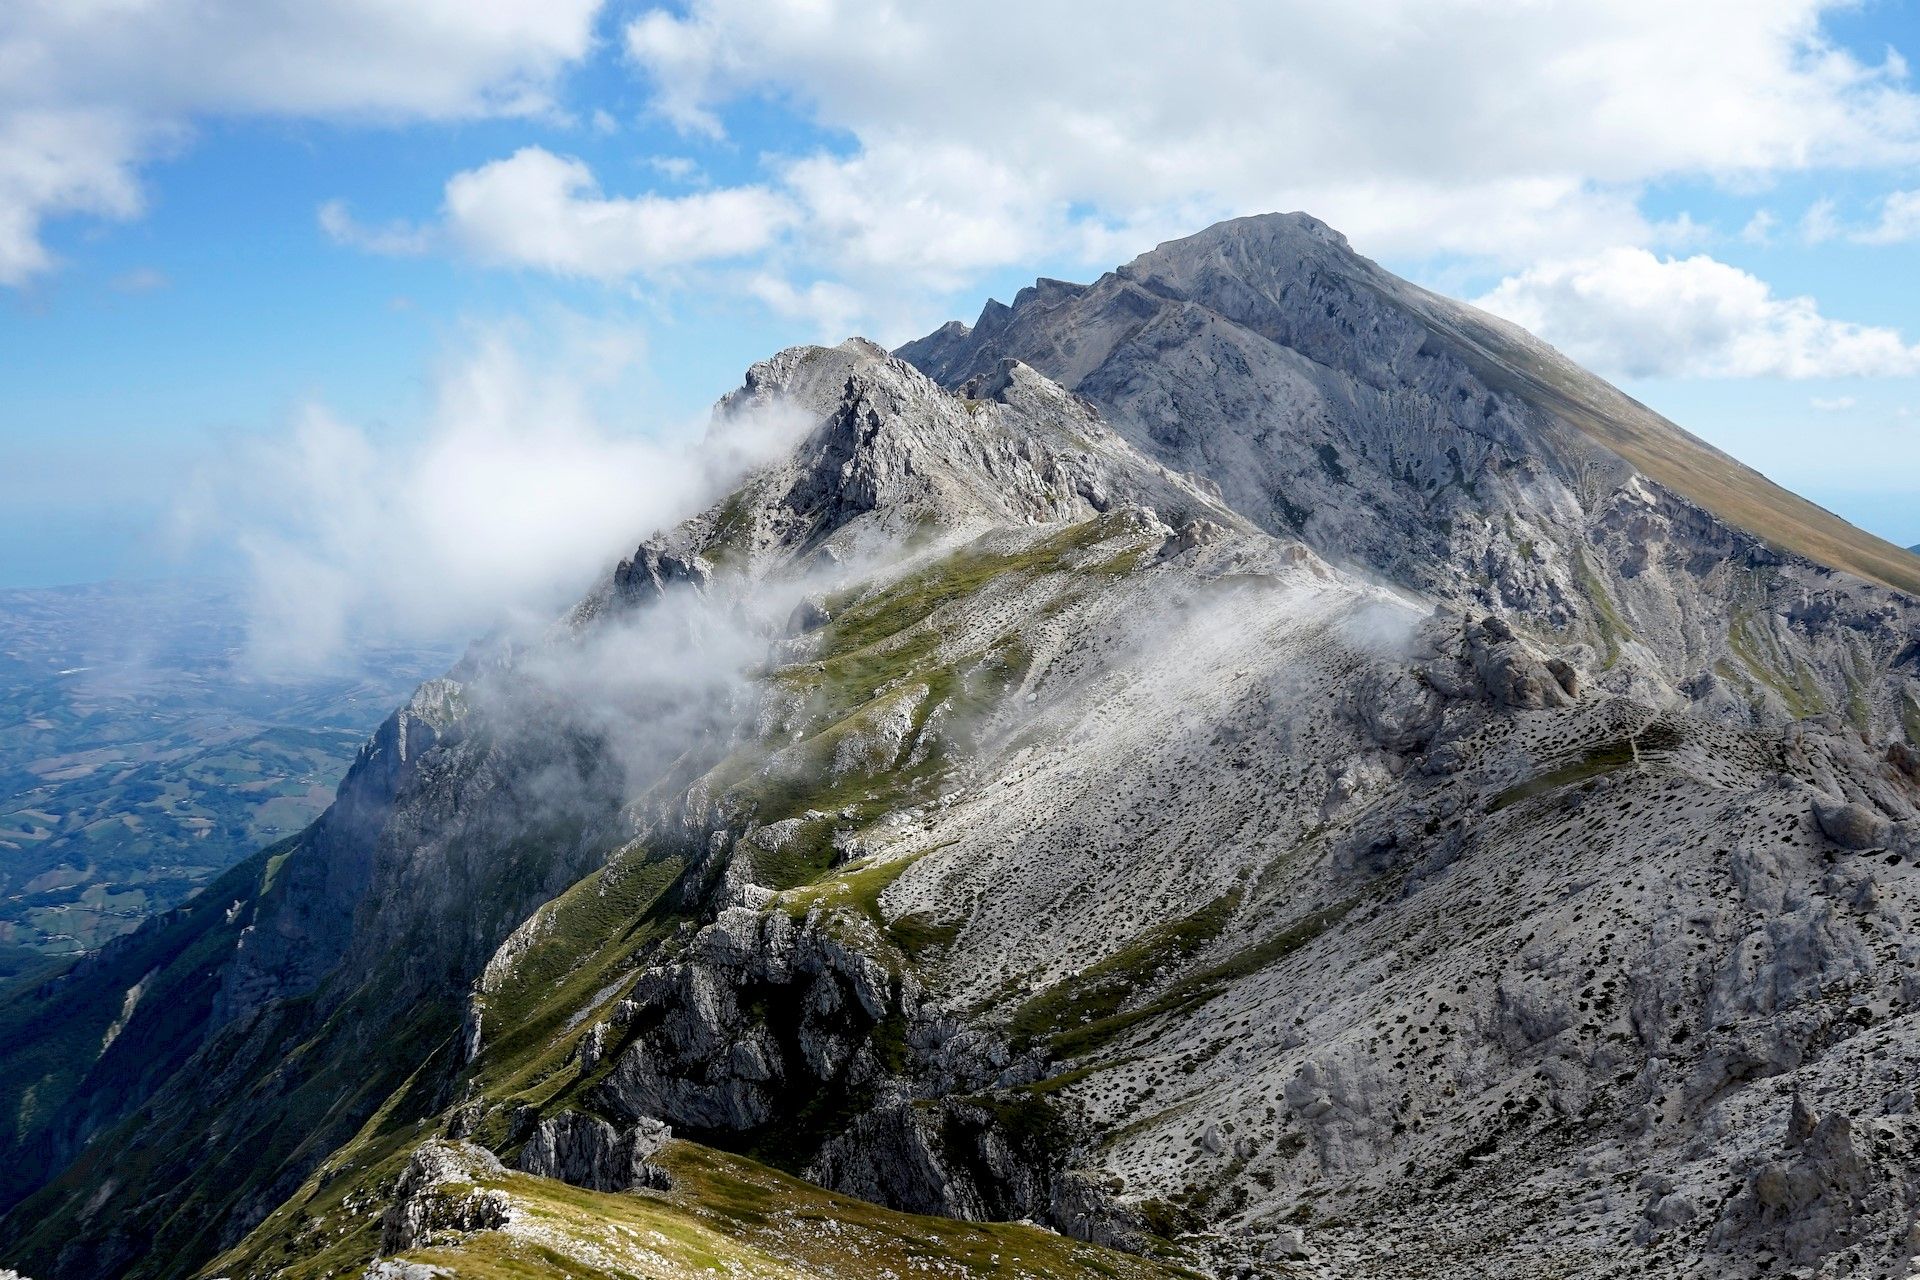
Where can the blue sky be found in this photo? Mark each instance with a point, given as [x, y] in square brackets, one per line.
[215, 233]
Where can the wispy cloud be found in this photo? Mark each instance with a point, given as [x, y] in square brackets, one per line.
[1898, 221]
[396, 239]
[504, 503]
[141, 280]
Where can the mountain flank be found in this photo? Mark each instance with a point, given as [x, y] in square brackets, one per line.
[1244, 768]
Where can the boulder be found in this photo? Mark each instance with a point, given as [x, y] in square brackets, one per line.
[1849, 824]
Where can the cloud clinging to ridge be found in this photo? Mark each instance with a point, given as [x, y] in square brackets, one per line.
[500, 506]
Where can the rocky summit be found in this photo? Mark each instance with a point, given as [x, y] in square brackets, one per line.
[1243, 768]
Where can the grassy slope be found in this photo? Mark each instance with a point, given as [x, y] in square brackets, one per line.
[593, 939]
[725, 1215]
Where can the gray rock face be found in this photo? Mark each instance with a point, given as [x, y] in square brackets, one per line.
[1398, 431]
[758, 1014]
[424, 1206]
[1851, 825]
[588, 1152]
[1515, 676]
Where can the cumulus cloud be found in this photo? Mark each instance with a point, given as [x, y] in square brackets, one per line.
[90, 91]
[503, 504]
[59, 161]
[396, 239]
[1413, 125]
[1447, 129]
[1899, 220]
[1630, 313]
[537, 209]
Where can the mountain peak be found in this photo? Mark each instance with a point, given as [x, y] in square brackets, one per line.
[1258, 350]
[1257, 232]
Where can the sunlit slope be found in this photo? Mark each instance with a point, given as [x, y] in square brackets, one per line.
[1506, 356]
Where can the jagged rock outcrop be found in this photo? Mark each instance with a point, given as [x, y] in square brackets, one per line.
[1513, 675]
[436, 1193]
[758, 1016]
[586, 1151]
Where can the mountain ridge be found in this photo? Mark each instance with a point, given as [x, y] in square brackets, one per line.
[1104, 807]
[1177, 269]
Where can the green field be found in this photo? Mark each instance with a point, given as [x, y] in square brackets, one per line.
[139, 757]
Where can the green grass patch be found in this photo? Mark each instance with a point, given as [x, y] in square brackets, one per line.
[729, 1215]
[1754, 645]
[1198, 988]
[1078, 1038]
[587, 941]
[1098, 992]
[919, 932]
[1609, 757]
[856, 890]
[727, 546]
[1597, 763]
[1613, 629]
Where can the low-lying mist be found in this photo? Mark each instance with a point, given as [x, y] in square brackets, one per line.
[499, 509]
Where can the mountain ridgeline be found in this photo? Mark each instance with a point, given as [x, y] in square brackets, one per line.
[1245, 767]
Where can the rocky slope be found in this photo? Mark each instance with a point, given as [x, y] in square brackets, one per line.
[1225, 769]
[1409, 436]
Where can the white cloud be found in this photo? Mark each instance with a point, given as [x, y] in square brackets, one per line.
[1627, 312]
[832, 311]
[1414, 125]
[1832, 404]
[677, 168]
[504, 502]
[141, 280]
[1759, 228]
[536, 209]
[88, 91]
[1507, 135]
[55, 161]
[1821, 222]
[934, 212]
[1899, 220]
[398, 239]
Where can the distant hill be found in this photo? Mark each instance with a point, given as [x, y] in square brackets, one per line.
[137, 760]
